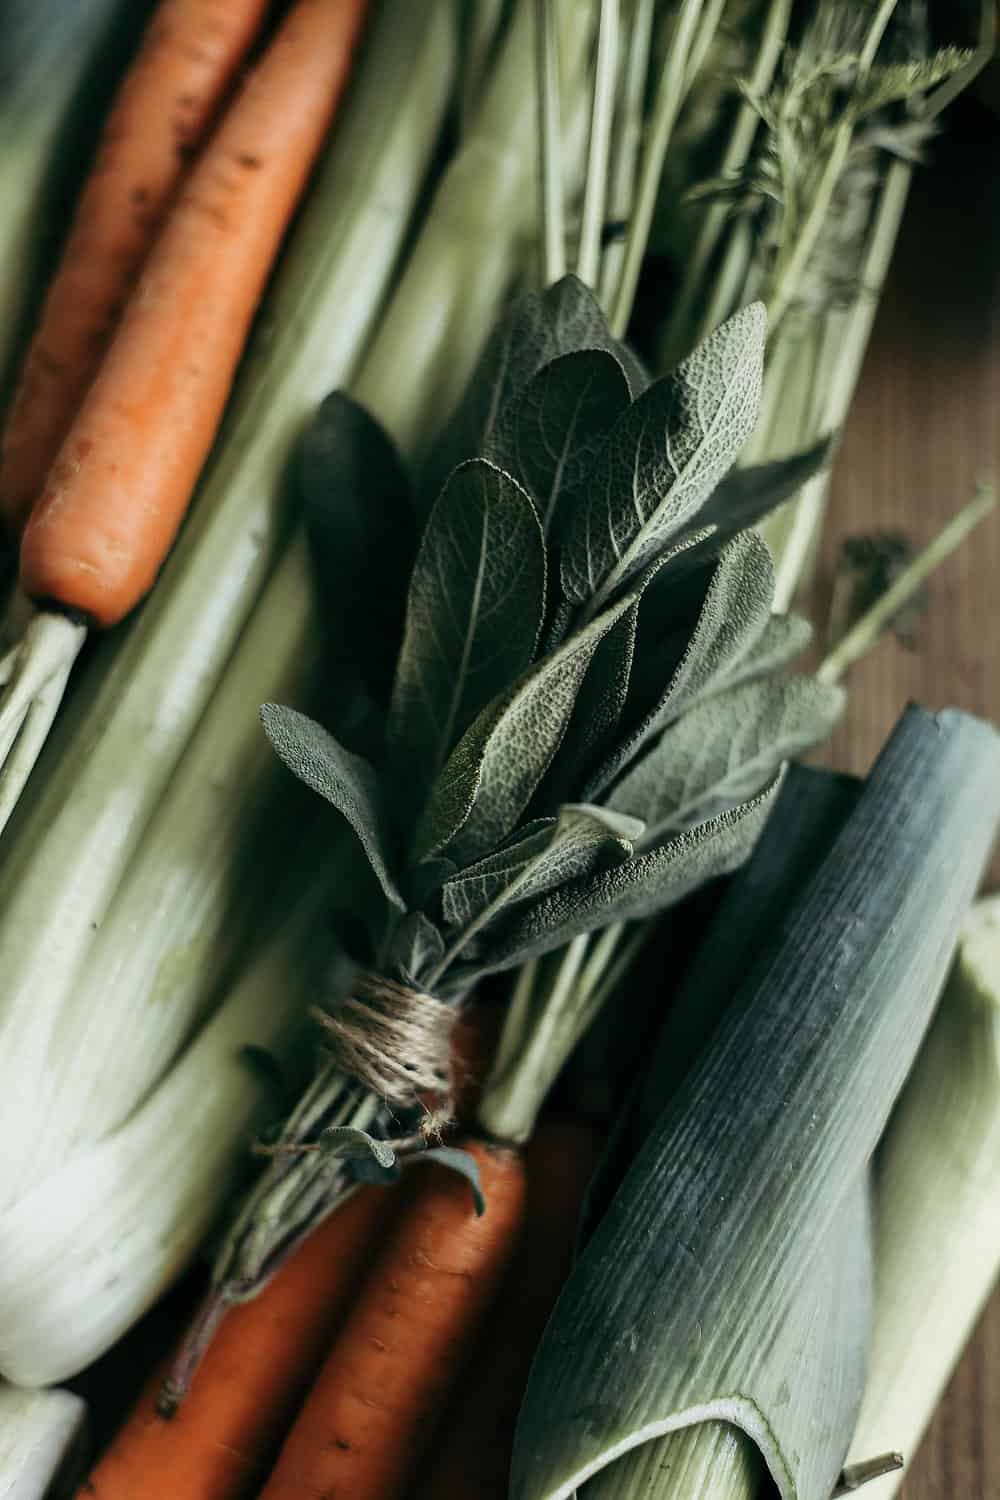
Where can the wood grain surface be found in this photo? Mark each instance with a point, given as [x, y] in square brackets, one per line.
[925, 426]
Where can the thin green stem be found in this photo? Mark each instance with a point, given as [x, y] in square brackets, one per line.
[680, 337]
[550, 143]
[670, 96]
[545, 1037]
[960, 81]
[596, 190]
[856, 1476]
[789, 271]
[863, 635]
[792, 534]
[627, 142]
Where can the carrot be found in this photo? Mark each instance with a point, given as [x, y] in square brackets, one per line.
[392, 1367]
[221, 1442]
[472, 1454]
[186, 64]
[123, 478]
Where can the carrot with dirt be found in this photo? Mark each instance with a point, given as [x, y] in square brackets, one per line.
[219, 1445]
[389, 1374]
[122, 480]
[471, 1455]
[187, 63]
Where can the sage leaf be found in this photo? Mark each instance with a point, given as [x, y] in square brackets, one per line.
[783, 638]
[359, 518]
[465, 1164]
[346, 780]
[580, 840]
[735, 611]
[417, 948]
[723, 1213]
[747, 495]
[538, 328]
[599, 708]
[348, 1142]
[638, 888]
[494, 770]
[476, 605]
[723, 750]
[664, 457]
[548, 438]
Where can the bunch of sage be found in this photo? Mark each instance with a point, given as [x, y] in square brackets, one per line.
[586, 717]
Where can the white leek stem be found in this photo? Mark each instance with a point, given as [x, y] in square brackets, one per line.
[89, 1248]
[937, 1205]
[42, 1435]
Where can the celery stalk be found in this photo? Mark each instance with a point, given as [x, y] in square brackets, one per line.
[80, 836]
[190, 899]
[95, 1241]
[41, 1436]
[471, 249]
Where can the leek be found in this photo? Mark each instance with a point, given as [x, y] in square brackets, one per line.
[42, 1434]
[680, 1307]
[937, 1204]
[118, 773]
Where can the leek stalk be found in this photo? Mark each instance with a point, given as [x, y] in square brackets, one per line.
[678, 1310]
[937, 1204]
[42, 1434]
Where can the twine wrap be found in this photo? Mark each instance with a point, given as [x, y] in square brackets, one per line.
[394, 1040]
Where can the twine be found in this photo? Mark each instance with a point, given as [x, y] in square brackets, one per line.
[394, 1040]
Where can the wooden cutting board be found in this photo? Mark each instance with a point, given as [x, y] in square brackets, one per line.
[925, 426]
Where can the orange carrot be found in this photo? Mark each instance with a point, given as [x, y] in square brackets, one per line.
[117, 493]
[221, 1442]
[190, 54]
[471, 1455]
[392, 1367]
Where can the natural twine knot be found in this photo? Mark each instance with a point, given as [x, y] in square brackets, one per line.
[394, 1040]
